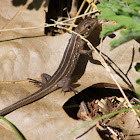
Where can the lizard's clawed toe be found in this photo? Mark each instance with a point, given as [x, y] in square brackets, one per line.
[37, 83]
[69, 89]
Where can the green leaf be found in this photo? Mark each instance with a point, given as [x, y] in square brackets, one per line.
[137, 67]
[124, 15]
[134, 4]
[109, 29]
[138, 81]
[127, 35]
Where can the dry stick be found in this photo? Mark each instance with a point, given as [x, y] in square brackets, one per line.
[78, 16]
[79, 11]
[106, 67]
[73, 10]
[47, 25]
[92, 4]
[27, 28]
[81, 7]
[88, 9]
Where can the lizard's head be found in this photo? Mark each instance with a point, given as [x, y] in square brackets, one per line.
[86, 26]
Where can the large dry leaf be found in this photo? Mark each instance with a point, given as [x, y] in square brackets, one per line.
[29, 57]
[28, 53]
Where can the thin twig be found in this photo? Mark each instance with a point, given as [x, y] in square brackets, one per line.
[92, 4]
[79, 11]
[46, 25]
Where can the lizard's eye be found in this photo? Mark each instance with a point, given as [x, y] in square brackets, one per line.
[89, 27]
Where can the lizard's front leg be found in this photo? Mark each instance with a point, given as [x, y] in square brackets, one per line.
[65, 83]
[86, 52]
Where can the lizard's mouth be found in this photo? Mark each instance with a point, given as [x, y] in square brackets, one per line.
[85, 34]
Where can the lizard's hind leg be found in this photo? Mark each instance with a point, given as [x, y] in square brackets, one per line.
[44, 77]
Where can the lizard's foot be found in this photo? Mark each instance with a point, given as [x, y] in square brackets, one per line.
[69, 89]
[37, 83]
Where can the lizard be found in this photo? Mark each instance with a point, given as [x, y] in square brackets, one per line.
[62, 76]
